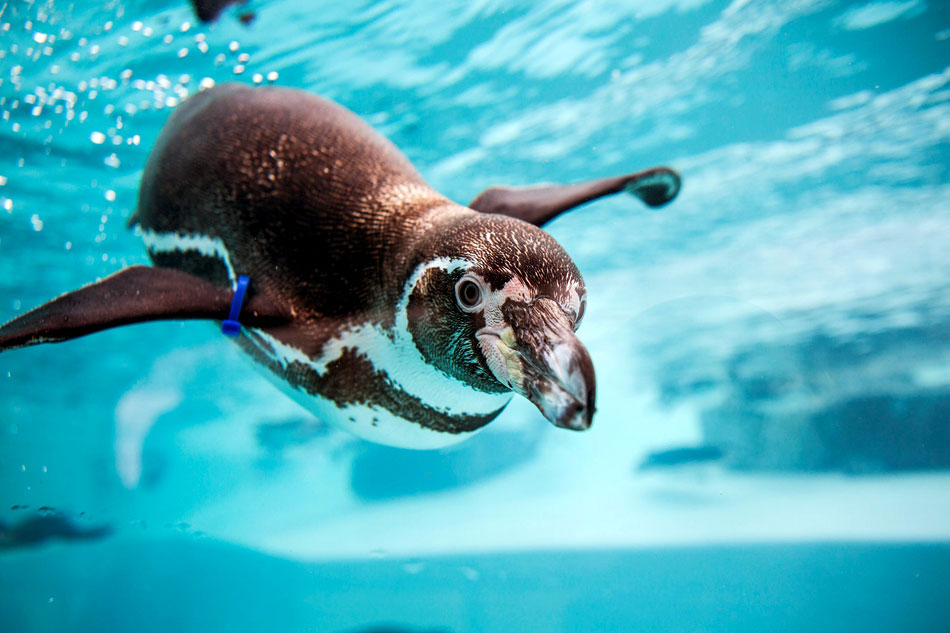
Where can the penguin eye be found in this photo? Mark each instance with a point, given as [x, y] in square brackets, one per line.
[468, 293]
[580, 313]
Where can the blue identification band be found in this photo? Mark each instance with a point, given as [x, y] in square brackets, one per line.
[231, 326]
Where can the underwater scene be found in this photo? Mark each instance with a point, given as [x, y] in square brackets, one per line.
[771, 444]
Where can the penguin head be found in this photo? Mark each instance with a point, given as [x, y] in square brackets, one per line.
[497, 307]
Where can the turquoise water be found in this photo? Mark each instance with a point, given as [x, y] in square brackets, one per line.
[772, 439]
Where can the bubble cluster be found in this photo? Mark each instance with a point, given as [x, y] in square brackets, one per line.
[92, 100]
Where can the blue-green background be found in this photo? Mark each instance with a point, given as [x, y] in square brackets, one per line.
[789, 314]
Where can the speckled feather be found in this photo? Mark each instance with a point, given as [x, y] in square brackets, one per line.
[328, 202]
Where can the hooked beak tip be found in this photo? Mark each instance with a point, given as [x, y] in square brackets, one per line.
[565, 391]
[558, 378]
[577, 414]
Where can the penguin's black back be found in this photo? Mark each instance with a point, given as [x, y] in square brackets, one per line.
[307, 199]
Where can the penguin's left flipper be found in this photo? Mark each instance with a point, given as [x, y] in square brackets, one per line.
[132, 295]
[539, 205]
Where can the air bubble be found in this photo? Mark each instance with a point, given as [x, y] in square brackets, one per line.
[110, 195]
[96, 137]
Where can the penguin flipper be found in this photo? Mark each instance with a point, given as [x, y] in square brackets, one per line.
[209, 10]
[132, 295]
[541, 204]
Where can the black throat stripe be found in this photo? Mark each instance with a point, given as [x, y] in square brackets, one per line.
[351, 379]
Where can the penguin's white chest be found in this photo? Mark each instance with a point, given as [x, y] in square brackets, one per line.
[376, 384]
[371, 381]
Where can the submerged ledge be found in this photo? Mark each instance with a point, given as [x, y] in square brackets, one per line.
[696, 508]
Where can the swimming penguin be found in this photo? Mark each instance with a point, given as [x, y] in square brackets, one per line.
[376, 302]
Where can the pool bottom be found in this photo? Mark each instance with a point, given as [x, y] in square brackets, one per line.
[190, 583]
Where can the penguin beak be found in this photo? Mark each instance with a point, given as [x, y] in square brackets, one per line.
[538, 356]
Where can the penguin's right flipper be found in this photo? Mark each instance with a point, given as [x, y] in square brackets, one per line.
[209, 10]
[132, 295]
[541, 204]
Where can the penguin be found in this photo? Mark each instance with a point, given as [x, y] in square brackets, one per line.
[374, 301]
